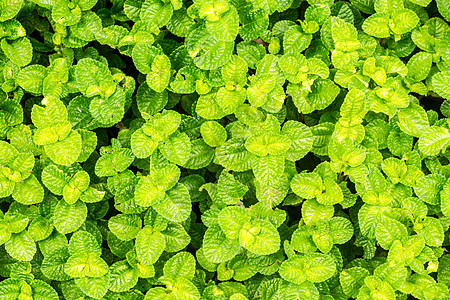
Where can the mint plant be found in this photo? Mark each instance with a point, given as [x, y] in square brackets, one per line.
[224, 149]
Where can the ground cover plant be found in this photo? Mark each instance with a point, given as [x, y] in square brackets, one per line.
[224, 149]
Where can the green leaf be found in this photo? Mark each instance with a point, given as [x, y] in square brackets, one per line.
[114, 162]
[369, 216]
[331, 195]
[142, 145]
[307, 185]
[54, 179]
[352, 280]
[261, 239]
[234, 72]
[40, 228]
[21, 246]
[123, 277]
[31, 78]
[388, 230]
[184, 288]
[91, 74]
[113, 36]
[67, 151]
[445, 199]
[125, 227]
[433, 140]
[443, 9]
[149, 245]
[53, 265]
[232, 219]
[313, 211]
[52, 134]
[53, 113]
[180, 265]
[312, 267]
[7, 153]
[156, 11]
[176, 148]
[155, 220]
[344, 35]
[229, 190]
[149, 101]
[295, 40]
[79, 115]
[162, 125]
[217, 247]
[148, 193]
[431, 230]
[11, 288]
[388, 6]
[42, 290]
[85, 264]
[428, 188]
[353, 109]
[233, 155]
[166, 177]
[228, 101]
[159, 75]
[375, 284]
[69, 217]
[208, 51]
[252, 52]
[29, 191]
[88, 28]
[176, 237]
[440, 82]
[18, 288]
[83, 242]
[394, 168]
[55, 241]
[180, 24]
[226, 27]
[208, 105]
[443, 271]
[301, 240]
[323, 92]
[16, 221]
[213, 133]
[300, 291]
[62, 14]
[92, 195]
[19, 51]
[301, 139]
[413, 120]
[393, 273]
[176, 205]
[403, 21]
[419, 66]
[268, 171]
[9, 9]
[22, 165]
[76, 185]
[262, 145]
[322, 238]
[341, 229]
[108, 111]
[95, 287]
[143, 56]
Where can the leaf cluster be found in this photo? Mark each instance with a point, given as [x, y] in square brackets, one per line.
[224, 149]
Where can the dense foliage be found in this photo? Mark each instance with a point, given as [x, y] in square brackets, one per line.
[224, 149]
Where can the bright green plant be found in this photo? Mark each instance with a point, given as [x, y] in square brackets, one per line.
[224, 149]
